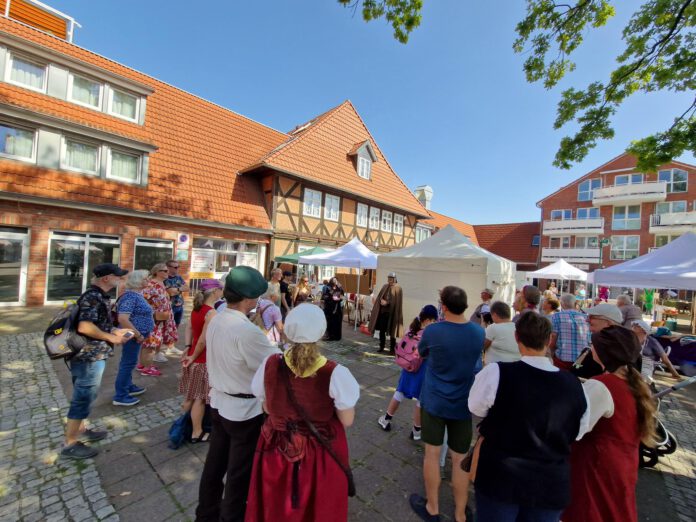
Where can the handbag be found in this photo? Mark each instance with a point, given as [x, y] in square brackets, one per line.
[285, 373]
[162, 316]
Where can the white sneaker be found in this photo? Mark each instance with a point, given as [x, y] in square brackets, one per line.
[173, 351]
[384, 423]
[160, 358]
[415, 434]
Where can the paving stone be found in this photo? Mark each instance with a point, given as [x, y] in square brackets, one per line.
[105, 512]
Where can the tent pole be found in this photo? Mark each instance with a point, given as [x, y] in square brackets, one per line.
[357, 295]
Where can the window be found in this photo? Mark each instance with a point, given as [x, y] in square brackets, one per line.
[386, 221]
[669, 207]
[398, 224]
[312, 203]
[559, 242]
[626, 218]
[661, 241]
[123, 105]
[80, 157]
[27, 73]
[586, 187]
[374, 218]
[628, 179]
[364, 167]
[588, 213]
[123, 166]
[536, 239]
[361, 215]
[149, 252]
[218, 256]
[676, 179]
[17, 143]
[624, 247]
[422, 233]
[559, 215]
[586, 242]
[85, 91]
[332, 207]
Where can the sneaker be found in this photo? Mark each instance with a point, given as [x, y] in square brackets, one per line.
[418, 506]
[78, 451]
[126, 401]
[415, 434]
[136, 390]
[92, 435]
[173, 351]
[140, 367]
[151, 371]
[384, 423]
[160, 358]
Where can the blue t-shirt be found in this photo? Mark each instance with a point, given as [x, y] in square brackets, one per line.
[139, 310]
[453, 350]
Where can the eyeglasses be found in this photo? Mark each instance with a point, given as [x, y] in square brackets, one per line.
[173, 266]
[164, 270]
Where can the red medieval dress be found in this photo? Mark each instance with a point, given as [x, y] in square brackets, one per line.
[294, 478]
[604, 463]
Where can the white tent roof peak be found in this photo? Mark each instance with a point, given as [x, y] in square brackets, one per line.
[351, 255]
[561, 269]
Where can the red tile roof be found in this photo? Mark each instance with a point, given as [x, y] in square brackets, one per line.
[510, 240]
[319, 151]
[441, 221]
[193, 174]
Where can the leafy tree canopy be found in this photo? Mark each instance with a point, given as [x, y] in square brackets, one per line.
[660, 54]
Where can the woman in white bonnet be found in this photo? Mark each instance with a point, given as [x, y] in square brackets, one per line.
[295, 478]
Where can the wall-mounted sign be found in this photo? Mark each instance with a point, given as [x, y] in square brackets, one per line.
[183, 241]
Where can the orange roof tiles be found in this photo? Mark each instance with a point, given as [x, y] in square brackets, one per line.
[319, 151]
[192, 174]
[441, 221]
[510, 240]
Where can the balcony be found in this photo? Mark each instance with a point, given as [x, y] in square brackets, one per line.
[673, 223]
[635, 193]
[576, 227]
[572, 255]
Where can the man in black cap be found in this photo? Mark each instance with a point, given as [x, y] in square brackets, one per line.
[87, 367]
[235, 348]
[285, 294]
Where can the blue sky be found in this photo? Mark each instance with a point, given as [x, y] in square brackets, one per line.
[451, 108]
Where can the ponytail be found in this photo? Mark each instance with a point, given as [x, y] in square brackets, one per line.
[303, 356]
[198, 301]
[415, 326]
[645, 406]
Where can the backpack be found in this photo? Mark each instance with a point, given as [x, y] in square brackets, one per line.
[257, 318]
[61, 339]
[406, 352]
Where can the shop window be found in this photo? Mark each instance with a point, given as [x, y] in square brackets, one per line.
[149, 252]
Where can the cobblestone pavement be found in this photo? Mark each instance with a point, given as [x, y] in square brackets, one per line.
[136, 477]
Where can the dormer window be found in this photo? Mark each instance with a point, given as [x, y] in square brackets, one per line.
[364, 167]
[364, 156]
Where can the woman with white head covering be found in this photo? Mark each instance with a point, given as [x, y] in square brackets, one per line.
[301, 468]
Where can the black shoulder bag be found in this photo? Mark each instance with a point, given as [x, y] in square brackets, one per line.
[285, 372]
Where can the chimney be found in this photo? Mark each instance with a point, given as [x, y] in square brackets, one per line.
[424, 193]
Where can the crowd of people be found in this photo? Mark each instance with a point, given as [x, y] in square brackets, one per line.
[546, 446]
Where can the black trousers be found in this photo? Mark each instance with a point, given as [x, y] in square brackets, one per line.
[383, 325]
[230, 457]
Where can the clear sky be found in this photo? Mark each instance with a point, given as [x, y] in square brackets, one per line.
[451, 108]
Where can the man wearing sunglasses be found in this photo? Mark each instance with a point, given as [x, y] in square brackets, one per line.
[175, 286]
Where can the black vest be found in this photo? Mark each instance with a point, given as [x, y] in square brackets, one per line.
[527, 436]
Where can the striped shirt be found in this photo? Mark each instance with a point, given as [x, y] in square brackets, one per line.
[572, 334]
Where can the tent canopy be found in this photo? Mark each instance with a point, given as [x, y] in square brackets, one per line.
[559, 270]
[351, 255]
[671, 266]
[294, 258]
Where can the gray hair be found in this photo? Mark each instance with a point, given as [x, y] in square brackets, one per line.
[157, 268]
[568, 301]
[135, 279]
[271, 291]
[623, 299]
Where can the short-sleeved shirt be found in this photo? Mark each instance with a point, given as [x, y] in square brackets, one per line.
[452, 350]
[572, 334]
[139, 311]
[503, 346]
[176, 281]
[271, 313]
[285, 293]
[276, 287]
[95, 307]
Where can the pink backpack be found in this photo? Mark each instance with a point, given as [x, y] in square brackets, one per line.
[406, 352]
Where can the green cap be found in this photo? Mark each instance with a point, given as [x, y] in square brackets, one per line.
[246, 281]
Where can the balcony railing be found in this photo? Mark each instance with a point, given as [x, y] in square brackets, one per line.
[577, 227]
[572, 255]
[673, 222]
[633, 193]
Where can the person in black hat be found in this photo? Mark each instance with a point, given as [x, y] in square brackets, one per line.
[285, 294]
[235, 348]
[94, 322]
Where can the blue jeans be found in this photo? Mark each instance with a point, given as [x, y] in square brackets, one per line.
[86, 379]
[124, 378]
[491, 510]
[178, 312]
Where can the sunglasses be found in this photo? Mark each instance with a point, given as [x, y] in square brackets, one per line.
[173, 266]
[164, 270]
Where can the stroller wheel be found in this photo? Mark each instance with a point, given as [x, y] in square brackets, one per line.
[669, 447]
[647, 457]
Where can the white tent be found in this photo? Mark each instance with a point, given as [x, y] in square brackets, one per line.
[671, 266]
[446, 258]
[561, 269]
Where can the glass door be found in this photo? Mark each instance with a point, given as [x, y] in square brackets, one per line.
[14, 259]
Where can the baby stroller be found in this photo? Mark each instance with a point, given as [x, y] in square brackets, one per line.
[666, 441]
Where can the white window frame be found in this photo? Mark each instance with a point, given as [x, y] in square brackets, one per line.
[361, 213]
[563, 241]
[566, 214]
[670, 205]
[590, 190]
[623, 239]
[364, 167]
[670, 183]
[32, 159]
[11, 56]
[110, 101]
[332, 207]
[71, 78]
[108, 176]
[422, 233]
[587, 210]
[374, 221]
[386, 222]
[629, 179]
[583, 242]
[64, 152]
[399, 224]
[626, 219]
[670, 238]
[309, 203]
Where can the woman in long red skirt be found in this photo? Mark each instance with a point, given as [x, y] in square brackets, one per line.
[295, 478]
[604, 463]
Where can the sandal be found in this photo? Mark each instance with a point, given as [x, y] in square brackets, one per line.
[203, 437]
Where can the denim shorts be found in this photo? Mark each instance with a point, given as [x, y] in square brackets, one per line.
[86, 379]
